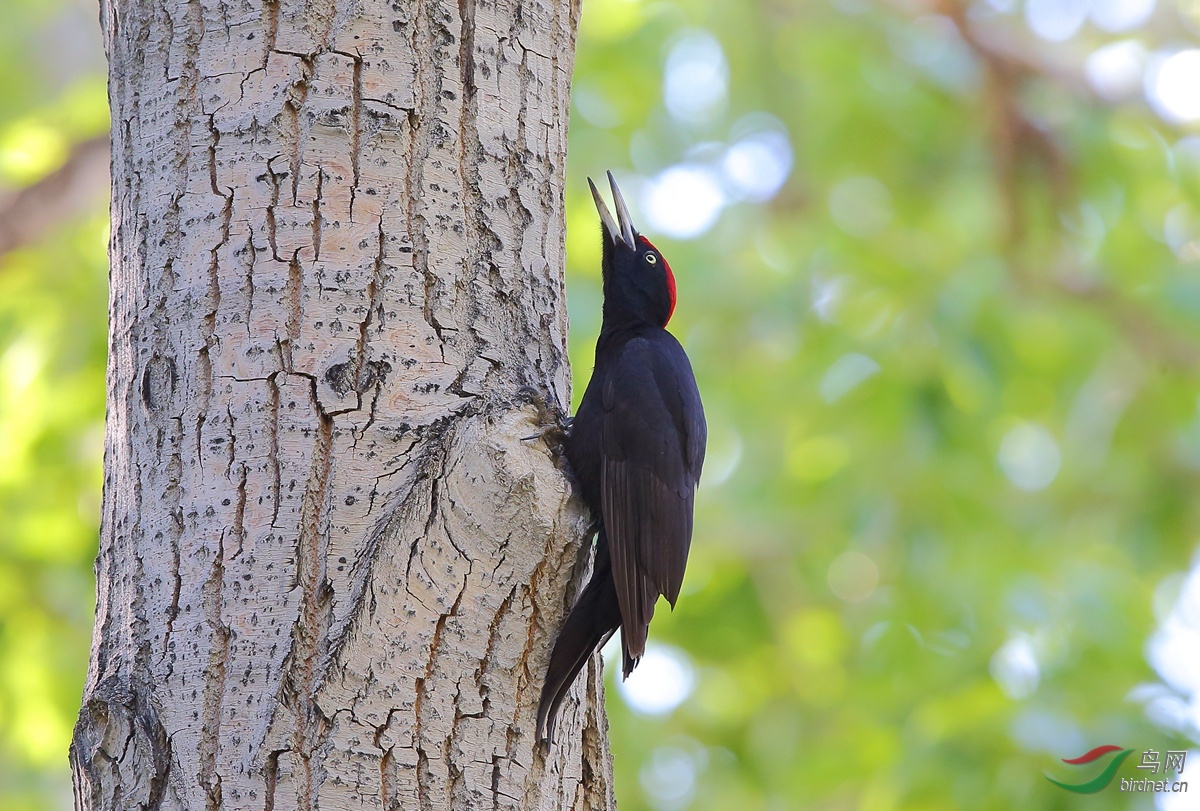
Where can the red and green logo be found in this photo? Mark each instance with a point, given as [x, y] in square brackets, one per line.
[1101, 780]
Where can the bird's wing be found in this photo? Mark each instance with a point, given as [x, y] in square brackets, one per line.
[652, 448]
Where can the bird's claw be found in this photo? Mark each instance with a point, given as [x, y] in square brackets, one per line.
[555, 424]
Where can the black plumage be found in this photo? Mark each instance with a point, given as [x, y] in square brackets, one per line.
[636, 447]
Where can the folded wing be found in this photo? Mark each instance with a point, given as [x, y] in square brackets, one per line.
[652, 450]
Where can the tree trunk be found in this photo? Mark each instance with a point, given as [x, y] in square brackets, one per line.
[330, 566]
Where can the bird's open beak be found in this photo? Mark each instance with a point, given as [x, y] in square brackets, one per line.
[622, 227]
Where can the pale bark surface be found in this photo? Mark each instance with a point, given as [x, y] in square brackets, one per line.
[330, 567]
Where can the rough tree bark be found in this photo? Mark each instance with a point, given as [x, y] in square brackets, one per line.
[330, 568]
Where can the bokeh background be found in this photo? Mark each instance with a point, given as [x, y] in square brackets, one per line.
[939, 275]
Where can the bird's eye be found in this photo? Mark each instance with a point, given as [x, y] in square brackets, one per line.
[651, 259]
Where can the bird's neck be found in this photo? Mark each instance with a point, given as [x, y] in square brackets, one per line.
[619, 328]
[622, 318]
[629, 310]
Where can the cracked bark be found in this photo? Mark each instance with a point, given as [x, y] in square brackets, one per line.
[330, 569]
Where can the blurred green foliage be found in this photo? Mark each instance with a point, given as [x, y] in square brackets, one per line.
[950, 369]
[919, 296]
[52, 353]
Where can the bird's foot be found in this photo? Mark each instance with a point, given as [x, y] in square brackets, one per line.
[554, 424]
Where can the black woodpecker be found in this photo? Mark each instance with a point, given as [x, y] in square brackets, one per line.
[636, 448]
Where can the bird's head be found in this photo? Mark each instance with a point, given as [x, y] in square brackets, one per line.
[638, 283]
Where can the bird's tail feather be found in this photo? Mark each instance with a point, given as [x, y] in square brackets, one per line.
[591, 622]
